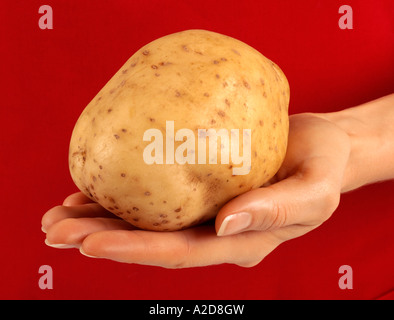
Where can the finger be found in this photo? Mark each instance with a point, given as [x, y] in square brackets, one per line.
[304, 198]
[76, 199]
[188, 248]
[58, 213]
[70, 232]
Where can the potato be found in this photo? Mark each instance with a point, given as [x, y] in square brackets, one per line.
[144, 147]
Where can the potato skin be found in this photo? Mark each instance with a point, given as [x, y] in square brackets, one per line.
[198, 79]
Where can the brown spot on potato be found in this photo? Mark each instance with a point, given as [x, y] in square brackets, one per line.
[147, 193]
[185, 48]
[136, 219]
[227, 102]
[135, 209]
[261, 122]
[109, 110]
[123, 175]
[217, 76]
[206, 94]
[124, 130]
[221, 113]
[145, 52]
[153, 66]
[116, 136]
[178, 210]
[111, 199]
[125, 71]
[235, 51]
[215, 62]
[246, 85]
[152, 119]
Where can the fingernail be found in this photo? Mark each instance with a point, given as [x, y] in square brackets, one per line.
[85, 254]
[235, 223]
[59, 245]
[43, 229]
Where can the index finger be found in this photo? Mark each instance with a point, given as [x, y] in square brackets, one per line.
[195, 247]
[87, 210]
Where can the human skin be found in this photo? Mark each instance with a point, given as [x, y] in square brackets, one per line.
[328, 154]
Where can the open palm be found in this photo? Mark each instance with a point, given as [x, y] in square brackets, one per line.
[301, 196]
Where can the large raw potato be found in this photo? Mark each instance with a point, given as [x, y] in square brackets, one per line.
[194, 79]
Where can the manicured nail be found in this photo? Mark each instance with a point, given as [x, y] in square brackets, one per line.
[59, 245]
[85, 254]
[235, 223]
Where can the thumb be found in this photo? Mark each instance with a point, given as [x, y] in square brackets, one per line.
[296, 200]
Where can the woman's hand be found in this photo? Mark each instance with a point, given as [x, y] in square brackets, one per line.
[302, 195]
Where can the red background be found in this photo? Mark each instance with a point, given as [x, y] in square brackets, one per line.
[49, 76]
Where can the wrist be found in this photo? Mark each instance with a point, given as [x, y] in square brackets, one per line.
[371, 133]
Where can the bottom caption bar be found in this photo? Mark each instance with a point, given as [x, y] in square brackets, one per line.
[180, 309]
